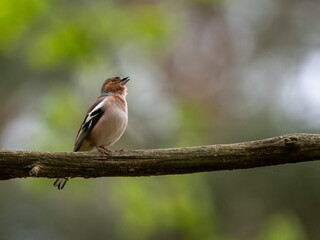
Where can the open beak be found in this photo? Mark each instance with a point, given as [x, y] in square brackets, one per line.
[124, 80]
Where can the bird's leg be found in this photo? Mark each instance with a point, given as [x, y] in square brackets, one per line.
[103, 150]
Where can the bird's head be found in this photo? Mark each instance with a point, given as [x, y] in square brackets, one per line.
[115, 85]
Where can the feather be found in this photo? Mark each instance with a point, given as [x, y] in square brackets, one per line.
[92, 117]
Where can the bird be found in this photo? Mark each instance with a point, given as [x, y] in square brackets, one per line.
[105, 121]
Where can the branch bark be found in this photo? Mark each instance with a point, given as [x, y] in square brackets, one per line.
[273, 151]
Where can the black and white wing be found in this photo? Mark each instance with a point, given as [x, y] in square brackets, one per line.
[92, 117]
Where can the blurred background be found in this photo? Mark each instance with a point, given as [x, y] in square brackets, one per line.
[202, 72]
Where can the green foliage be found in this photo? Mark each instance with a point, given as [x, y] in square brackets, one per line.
[282, 227]
[181, 204]
[16, 17]
[61, 45]
[64, 36]
[61, 110]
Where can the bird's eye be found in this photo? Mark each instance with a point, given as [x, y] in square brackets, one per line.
[113, 80]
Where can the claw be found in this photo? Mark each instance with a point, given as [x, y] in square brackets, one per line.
[104, 150]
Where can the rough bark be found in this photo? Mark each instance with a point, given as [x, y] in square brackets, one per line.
[273, 151]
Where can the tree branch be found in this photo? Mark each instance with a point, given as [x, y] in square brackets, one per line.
[273, 151]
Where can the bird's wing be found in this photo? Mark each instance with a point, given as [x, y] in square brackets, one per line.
[93, 115]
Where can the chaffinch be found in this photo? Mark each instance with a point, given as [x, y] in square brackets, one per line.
[105, 120]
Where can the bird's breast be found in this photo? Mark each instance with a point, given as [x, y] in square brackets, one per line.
[111, 125]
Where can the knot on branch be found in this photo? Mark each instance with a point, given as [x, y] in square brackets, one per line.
[34, 171]
[291, 142]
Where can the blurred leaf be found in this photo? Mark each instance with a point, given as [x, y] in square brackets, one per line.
[16, 17]
[62, 113]
[282, 227]
[81, 36]
[65, 44]
[164, 205]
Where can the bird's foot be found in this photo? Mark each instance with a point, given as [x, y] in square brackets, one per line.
[121, 150]
[104, 150]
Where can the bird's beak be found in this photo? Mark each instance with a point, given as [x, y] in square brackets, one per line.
[124, 80]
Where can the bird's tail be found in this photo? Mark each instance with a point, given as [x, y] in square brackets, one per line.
[60, 182]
